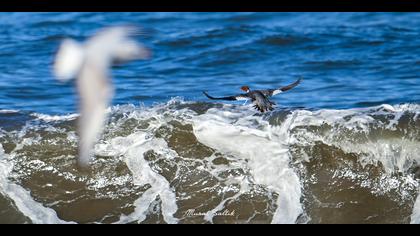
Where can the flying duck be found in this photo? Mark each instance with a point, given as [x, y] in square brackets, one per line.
[259, 98]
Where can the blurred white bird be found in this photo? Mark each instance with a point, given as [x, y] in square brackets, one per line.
[90, 63]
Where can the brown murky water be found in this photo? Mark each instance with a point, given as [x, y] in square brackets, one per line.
[154, 166]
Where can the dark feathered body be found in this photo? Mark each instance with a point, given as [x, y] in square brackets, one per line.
[260, 98]
[260, 101]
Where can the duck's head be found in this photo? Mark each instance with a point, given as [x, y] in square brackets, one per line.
[245, 89]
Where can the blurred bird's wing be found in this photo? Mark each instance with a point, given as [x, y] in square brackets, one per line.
[272, 92]
[117, 42]
[230, 98]
[69, 60]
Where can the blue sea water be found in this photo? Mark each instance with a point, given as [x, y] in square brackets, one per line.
[347, 59]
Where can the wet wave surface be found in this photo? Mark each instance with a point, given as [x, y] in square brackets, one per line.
[193, 162]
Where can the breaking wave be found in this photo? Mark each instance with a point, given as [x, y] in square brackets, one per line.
[158, 164]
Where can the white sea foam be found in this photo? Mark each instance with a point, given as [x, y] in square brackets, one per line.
[266, 152]
[238, 133]
[51, 118]
[22, 198]
[5, 111]
[133, 148]
[266, 147]
[394, 153]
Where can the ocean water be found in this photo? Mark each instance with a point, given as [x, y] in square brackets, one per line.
[342, 147]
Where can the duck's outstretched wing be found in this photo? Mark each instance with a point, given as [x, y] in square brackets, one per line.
[229, 98]
[272, 92]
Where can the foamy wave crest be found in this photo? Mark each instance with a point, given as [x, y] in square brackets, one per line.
[249, 137]
[190, 162]
[385, 134]
[51, 118]
[6, 111]
[267, 160]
